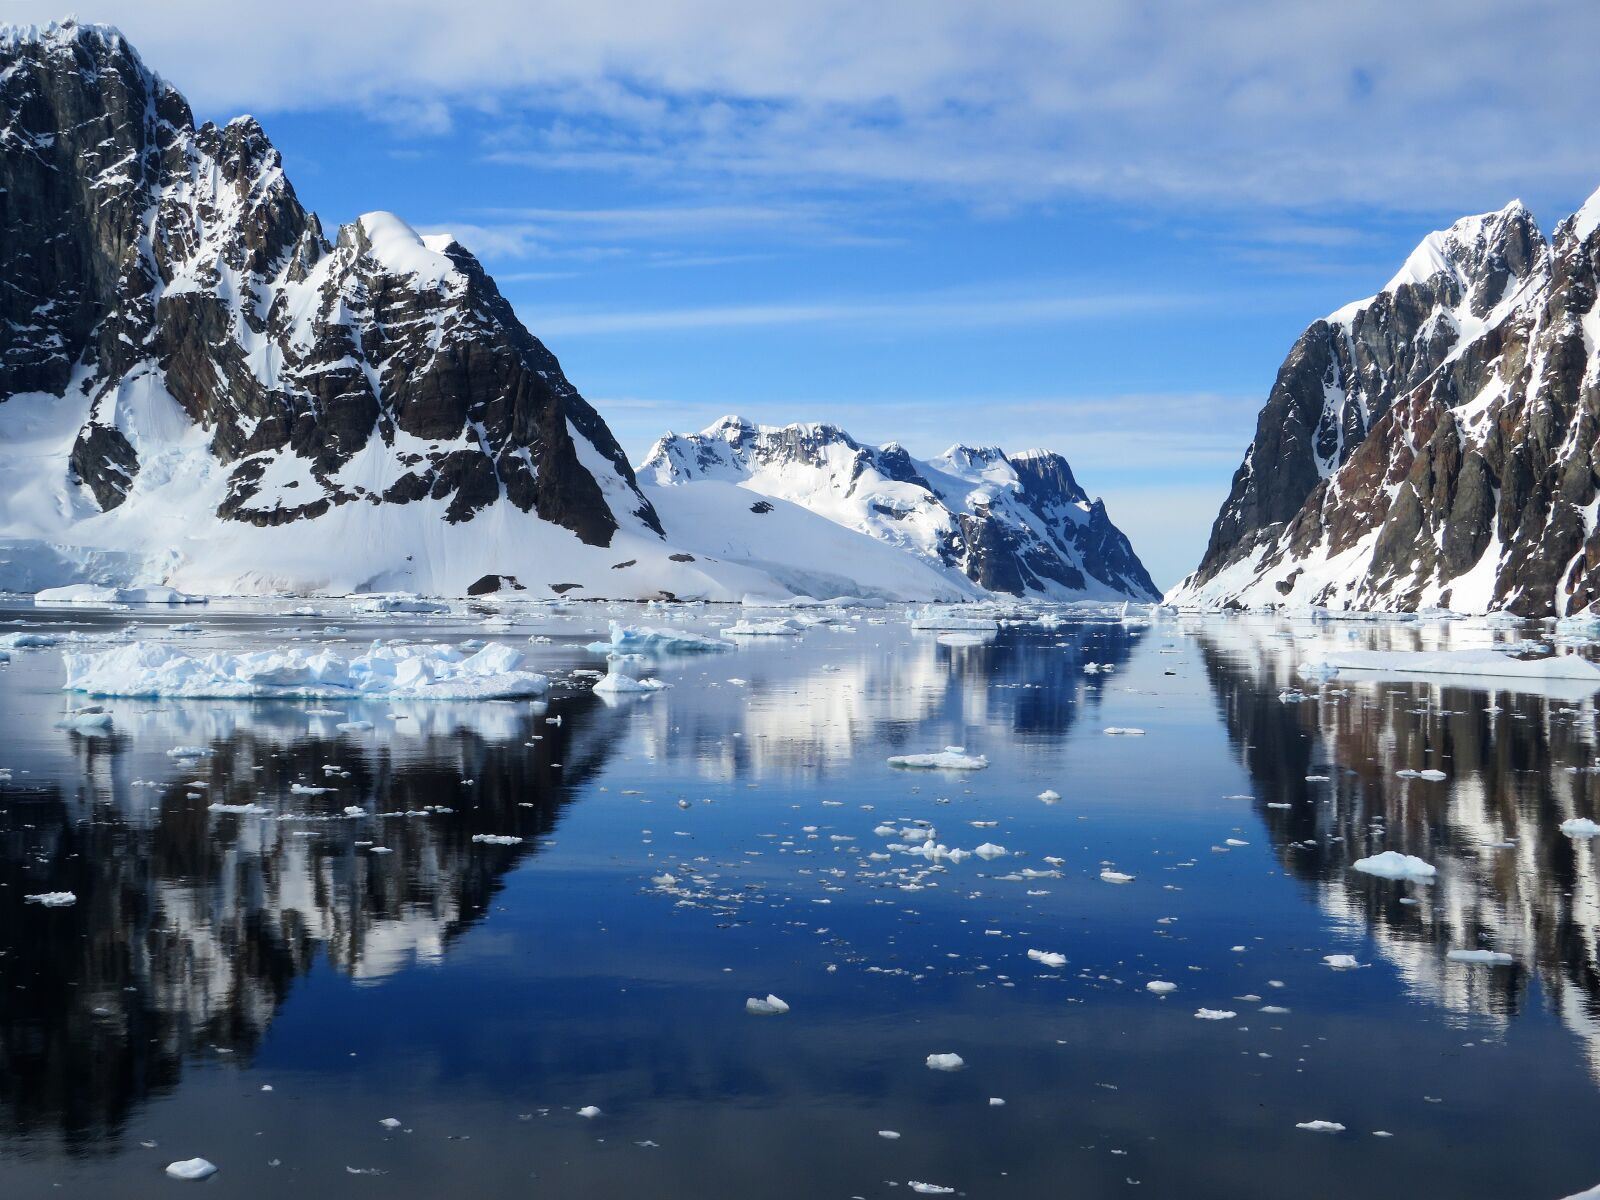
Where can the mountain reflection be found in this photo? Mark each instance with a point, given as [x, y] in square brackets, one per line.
[191, 926]
[1509, 880]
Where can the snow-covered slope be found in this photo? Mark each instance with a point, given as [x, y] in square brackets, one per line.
[975, 520]
[197, 387]
[1432, 444]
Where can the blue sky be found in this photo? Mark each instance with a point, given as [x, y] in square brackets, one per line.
[1095, 228]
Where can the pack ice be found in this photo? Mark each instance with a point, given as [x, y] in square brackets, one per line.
[424, 672]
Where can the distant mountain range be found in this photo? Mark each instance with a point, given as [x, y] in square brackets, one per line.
[1433, 444]
[198, 387]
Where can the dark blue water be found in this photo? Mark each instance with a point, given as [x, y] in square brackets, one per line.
[482, 994]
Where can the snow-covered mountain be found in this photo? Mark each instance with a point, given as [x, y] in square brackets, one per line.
[199, 388]
[977, 520]
[1432, 444]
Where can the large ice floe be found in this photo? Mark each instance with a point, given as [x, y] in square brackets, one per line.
[89, 593]
[641, 639]
[418, 672]
[1566, 668]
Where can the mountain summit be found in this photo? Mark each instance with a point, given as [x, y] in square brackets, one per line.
[1433, 444]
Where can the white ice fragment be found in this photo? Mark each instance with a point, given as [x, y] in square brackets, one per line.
[1580, 827]
[1215, 1014]
[1123, 731]
[990, 850]
[945, 1062]
[1160, 987]
[1321, 1126]
[497, 839]
[951, 758]
[889, 1134]
[770, 1007]
[1110, 876]
[1341, 962]
[1049, 795]
[1486, 958]
[589, 1112]
[191, 1168]
[996, 1102]
[390, 1122]
[52, 899]
[1391, 864]
[929, 1189]
[1048, 958]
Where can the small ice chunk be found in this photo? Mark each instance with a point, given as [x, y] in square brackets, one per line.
[1124, 731]
[1391, 864]
[890, 1134]
[1049, 795]
[945, 1062]
[1215, 1014]
[951, 758]
[390, 1122]
[1341, 962]
[1486, 958]
[52, 899]
[1580, 827]
[589, 1112]
[997, 1102]
[929, 1189]
[1160, 987]
[191, 1168]
[1321, 1126]
[497, 839]
[990, 850]
[1048, 958]
[1110, 876]
[770, 1007]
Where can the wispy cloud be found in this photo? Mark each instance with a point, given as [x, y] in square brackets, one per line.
[914, 312]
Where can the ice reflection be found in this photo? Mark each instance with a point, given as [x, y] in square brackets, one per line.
[1518, 764]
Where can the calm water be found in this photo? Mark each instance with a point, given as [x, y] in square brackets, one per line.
[482, 994]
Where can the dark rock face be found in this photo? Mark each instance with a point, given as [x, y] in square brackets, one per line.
[1016, 524]
[146, 255]
[1434, 445]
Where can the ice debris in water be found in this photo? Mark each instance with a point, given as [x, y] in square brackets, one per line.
[52, 899]
[1391, 864]
[1580, 827]
[1048, 958]
[390, 1122]
[423, 672]
[1049, 795]
[1111, 876]
[889, 1134]
[770, 1007]
[191, 1168]
[641, 639]
[929, 1189]
[1486, 958]
[783, 628]
[945, 1062]
[1124, 731]
[990, 850]
[618, 682]
[1215, 1014]
[1321, 1126]
[1341, 962]
[589, 1112]
[951, 758]
[1160, 987]
[497, 839]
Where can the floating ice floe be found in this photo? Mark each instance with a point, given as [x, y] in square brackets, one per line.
[589, 1112]
[1048, 958]
[1049, 795]
[89, 719]
[1562, 667]
[951, 758]
[770, 1007]
[1580, 827]
[929, 619]
[398, 602]
[641, 639]
[89, 593]
[959, 638]
[1123, 731]
[1320, 1126]
[1391, 864]
[1215, 1014]
[990, 850]
[29, 641]
[1110, 876]
[1483, 958]
[945, 1062]
[784, 628]
[52, 899]
[1341, 962]
[420, 672]
[928, 1189]
[1160, 987]
[617, 682]
[192, 1169]
[497, 839]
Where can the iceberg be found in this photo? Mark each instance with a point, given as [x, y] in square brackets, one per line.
[951, 758]
[1391, 864]
[641, 639]
[89, 593]
[417, 672]
[1563, 668]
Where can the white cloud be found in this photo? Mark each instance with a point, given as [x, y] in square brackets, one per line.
[1439, 104]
